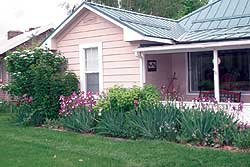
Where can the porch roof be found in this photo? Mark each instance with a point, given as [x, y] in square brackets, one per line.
[206, 46]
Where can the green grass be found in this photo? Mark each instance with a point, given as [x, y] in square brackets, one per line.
[37, 147]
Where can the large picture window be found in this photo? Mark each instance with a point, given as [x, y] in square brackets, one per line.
[201, 75]
[90, 68]
[234, 70]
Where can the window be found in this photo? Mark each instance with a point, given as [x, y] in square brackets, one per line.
[234, 70]
[201, 76]
[91, 68]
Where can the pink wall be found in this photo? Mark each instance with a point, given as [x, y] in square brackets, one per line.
[120, 65]
[167, 65]
[164, 70]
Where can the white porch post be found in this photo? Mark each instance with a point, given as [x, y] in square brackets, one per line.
[142, 68]
[216, 76]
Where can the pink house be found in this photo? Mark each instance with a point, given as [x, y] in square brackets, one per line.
[208, 49]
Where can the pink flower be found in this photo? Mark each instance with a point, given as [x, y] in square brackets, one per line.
[241, 106]
[61, 97]
[136, 102]
[30, 99]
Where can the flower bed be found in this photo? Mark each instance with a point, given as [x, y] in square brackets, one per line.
[204, 124]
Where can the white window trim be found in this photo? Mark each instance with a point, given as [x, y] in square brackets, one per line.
[82, 48]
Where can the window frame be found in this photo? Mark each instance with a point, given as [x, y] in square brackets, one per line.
[83, 72]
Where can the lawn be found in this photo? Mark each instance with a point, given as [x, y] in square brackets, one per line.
[35, 147]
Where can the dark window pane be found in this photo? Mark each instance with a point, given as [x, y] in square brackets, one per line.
[234, 69]
[201, 76]
[92, 81]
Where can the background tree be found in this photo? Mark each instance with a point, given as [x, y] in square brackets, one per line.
[191, 5]
[166, 8]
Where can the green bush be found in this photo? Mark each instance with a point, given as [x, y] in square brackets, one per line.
[242, 139]
[81, 120]
[122, 99]
[40, 74]
[207, 127]
[157, 121]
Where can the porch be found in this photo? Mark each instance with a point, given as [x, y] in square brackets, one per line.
[199, 67]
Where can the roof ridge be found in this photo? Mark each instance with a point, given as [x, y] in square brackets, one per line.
[198, 10]
[129, 11]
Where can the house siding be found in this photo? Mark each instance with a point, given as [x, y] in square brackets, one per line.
[164, 70]
[120, 65]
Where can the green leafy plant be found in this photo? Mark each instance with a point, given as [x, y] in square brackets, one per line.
[157, 121]
[207, 127]
[7, 107]
[81, 120]
[242, 138]
[40, 74]
[113, 123]
[23, 113]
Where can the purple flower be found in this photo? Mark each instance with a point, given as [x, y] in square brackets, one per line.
[70, 103]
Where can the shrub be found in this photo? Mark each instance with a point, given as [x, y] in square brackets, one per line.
[157, 121]
[207, 127]
[40, 74]
[122, 99]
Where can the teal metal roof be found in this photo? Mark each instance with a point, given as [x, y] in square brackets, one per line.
[219, 20]
[148, 25]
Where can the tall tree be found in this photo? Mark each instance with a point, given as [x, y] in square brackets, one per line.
[114, 3]
[191, 5]
[165, 8]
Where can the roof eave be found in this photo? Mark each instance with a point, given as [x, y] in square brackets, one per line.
[192, 47]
